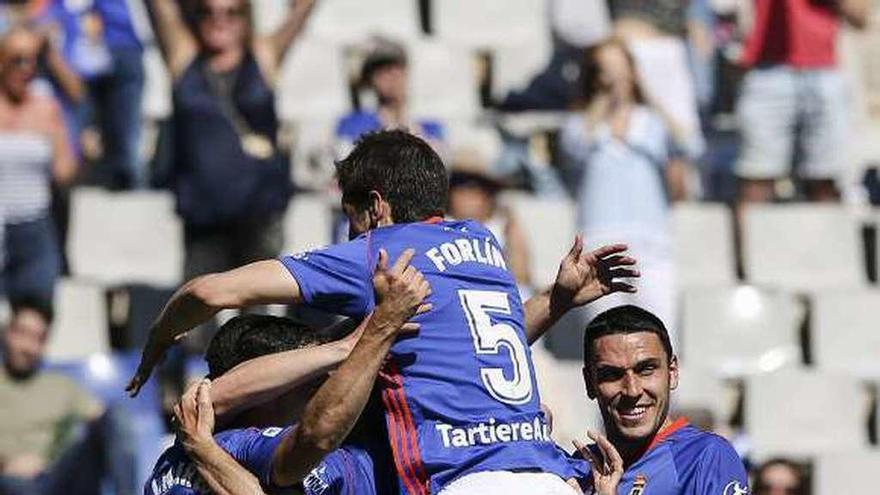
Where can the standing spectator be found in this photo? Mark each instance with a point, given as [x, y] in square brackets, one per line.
[779, 477]
[34, 153]
[656, 32]
[99, 40]
[385, 73]
[231, 181]
[794, 93]
[41, 451]
[622, 155]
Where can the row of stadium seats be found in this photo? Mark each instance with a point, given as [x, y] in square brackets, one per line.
[118, 238]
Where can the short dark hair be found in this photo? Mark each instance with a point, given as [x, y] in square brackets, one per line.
[403, 168]
[40, 305]
[625, 319]
[249, 336]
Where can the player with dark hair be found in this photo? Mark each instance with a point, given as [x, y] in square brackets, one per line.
[461, 400]
[630, 370]
[259, 437]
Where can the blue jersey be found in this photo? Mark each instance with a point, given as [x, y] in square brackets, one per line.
[460, 397]
[345, 471]
[683, 460]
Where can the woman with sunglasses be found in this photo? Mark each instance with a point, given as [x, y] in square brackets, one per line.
[231, 182]
[34, 153]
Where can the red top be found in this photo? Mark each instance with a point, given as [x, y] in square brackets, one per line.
[799, 33]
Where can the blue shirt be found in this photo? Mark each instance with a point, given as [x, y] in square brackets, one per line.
[460, 397]
[345, 471]
[353, 125]
[684, 460]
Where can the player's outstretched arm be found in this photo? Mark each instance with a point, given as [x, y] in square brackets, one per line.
[332, 412]
[265, 378]
[197, 301]
[195, 420]
[583, 277]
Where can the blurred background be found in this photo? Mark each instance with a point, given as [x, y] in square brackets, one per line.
[733, 144]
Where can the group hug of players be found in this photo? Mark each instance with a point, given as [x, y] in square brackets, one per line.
[434, 391]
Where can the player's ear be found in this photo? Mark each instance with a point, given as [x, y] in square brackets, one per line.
[588, 384]
[673, 373]
[375, 208]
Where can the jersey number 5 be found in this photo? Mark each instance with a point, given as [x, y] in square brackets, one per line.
[489, 338]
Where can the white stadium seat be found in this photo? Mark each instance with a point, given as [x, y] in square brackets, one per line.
[514, 66]
[443, 81]
[156, 102]
[845, 336]
[802, 247]
[489, 23]
[351, 21]
[120, 238]
[313, 81]
[852, 472]
[704, 248]
[801, 413]
[81, 325]
[308, 223]
[742, 330]
[701, 388]
[550, 230]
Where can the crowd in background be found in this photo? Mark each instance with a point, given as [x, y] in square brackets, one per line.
[647, 90]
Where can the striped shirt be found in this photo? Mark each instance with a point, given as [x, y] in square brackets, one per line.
[25, 175]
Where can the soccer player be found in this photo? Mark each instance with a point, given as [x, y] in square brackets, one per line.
[461, 400]
[630, 370]
[281, 456]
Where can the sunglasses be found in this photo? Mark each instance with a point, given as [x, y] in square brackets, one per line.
[226, 13]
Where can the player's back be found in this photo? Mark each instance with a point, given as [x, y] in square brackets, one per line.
[462, 396]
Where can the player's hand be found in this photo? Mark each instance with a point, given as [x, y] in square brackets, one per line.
[607, 469]
[585, 277]
[194, 415]
[400, 291]
[152, 355]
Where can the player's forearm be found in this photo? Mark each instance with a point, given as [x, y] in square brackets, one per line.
[222, 473]
[335, 408]
[267, 377]
[189, 307]
[542, 311]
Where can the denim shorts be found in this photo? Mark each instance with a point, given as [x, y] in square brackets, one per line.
[786, 113]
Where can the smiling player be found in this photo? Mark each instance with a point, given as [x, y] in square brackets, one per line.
[630, 370]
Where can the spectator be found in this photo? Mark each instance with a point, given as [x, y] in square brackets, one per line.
[41, 451]
[385, 73]
[231, 181]
[575, 25]
[473, 194]
[779, 477]
[656, 32]
[622, 158]
[793, 93]
[34, 153]
[99, 41]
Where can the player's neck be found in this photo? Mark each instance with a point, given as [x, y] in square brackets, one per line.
[633, 450]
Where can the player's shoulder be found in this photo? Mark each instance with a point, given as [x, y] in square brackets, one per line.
[234, 437]
[691, 445]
